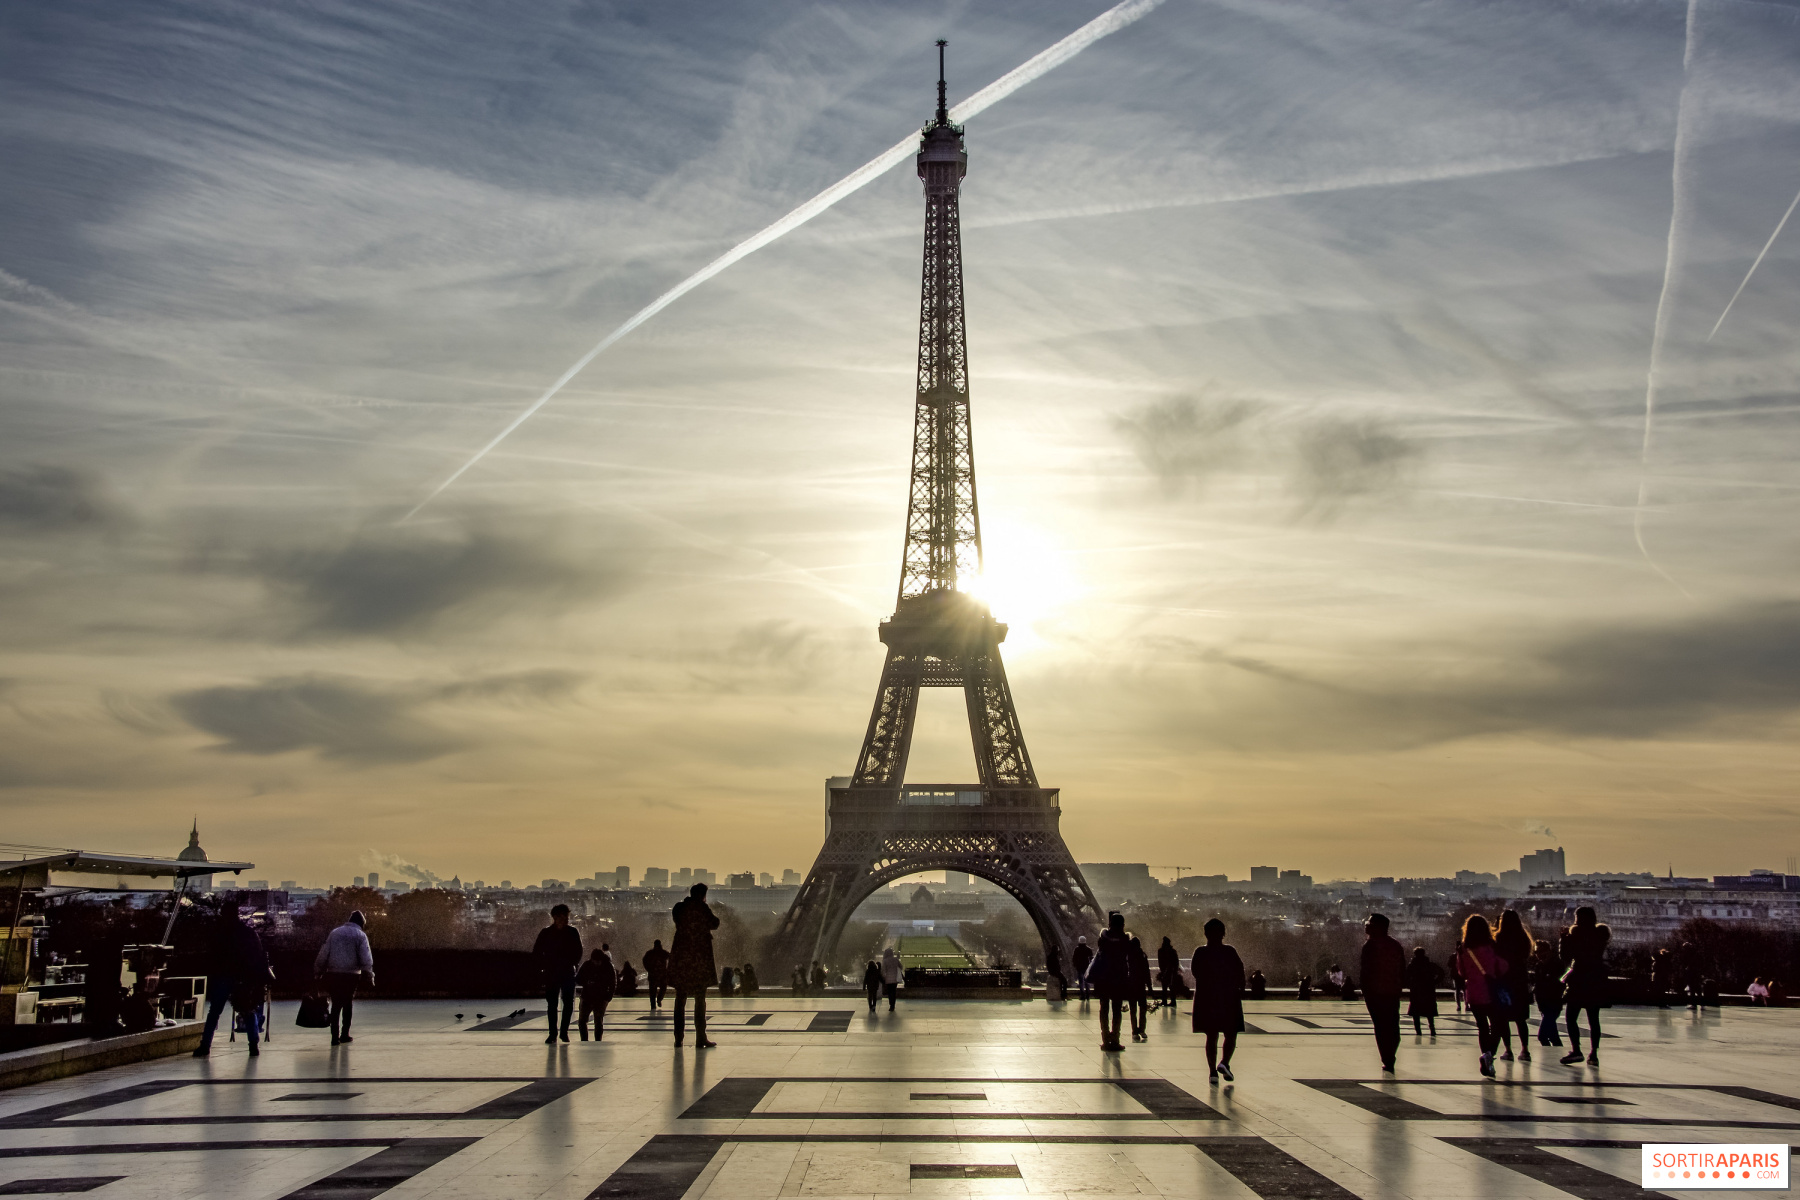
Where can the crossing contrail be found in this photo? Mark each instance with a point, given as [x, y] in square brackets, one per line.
[1765, 253]
[1110, 21]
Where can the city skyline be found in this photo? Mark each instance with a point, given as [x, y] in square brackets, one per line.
[1320, 487]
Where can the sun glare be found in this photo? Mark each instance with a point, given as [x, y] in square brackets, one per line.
[1026, 578]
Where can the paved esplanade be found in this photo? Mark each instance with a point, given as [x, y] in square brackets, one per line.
[816, 1097]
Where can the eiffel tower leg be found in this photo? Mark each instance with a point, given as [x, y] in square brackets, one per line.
[882, 762]
[1000, 753]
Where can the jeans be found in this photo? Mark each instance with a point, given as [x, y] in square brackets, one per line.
[1547, 1034]
[218, 995]
[564, 988]
[341, 987]
[1140, 1015]
[596, 1007]
[681, 1001]
[1384, 1012]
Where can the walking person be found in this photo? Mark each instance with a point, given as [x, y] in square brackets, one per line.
[819, 979]
[890, 976]
[598, 982]
[747, 981]
[691, 968]
[1514, 944]
[1139, 998]
[1110, 975]
[558, 954]
[1080, 959]
[1547, 990]
[1218, 998]
[872, 982]
[1481, 968]
[1422, 977]
[1168, 970]
[1584, 946]
[344, 961]
[1383, 982]
[238, 971]
[656, 973]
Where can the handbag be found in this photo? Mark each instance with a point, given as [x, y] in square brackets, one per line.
[315, 1013]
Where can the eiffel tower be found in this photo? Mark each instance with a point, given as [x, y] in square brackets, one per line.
[1005, 828]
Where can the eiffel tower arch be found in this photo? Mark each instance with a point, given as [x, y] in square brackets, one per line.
[1003, 828]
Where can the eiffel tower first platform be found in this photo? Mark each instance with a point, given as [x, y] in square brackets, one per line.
[1005, 828]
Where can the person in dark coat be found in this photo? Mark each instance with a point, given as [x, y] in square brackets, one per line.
[1513, 943]
[238, 974]
[1383, 981]
[1081, 958]
[1110, 976]
[1422, 977]
[726, 980]
[1259, 986]
[872, 982]
[1547, 990]
[628, 980]
[558, 953]
[747, 981]
[1139, 999]
[1168, 971]
[691, 967]
[1218, 998]
[1584, 947]
[819, 979]
[598, 983]
[656, 973]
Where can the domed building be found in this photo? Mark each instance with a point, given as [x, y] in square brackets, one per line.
[193, 853]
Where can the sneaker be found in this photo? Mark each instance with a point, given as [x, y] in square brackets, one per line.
[1487, 1065]
[551, 1040]
[706, 1045]
[1507, 1057]
[1594, 1059]
[202, 1052]
[1213, 1079]
[1571, 1058]
[1225, 1070]
[1387, 1068]
[565, 1035]
[1524, 1056]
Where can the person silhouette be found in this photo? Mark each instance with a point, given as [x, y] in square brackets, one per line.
[1139, 998]
[1482, 969]
[872, 983]
[1547, 990]
[598, 983]
[656, 973]
[1110, 975]
[1168, 970]
[1218, 998]
[558, 953]
[1259, 986]
[747, 981]
[1513, 943]
[890, 975]
[1080, 959]
[1584, 946]
[1383, 980]
[1422, 976]
[691, 967]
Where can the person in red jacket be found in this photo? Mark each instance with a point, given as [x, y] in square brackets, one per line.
[1383, 983]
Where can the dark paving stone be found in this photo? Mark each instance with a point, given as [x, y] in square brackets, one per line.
[664, 1168]
[965, 1171]
[729, 1099]
[51, 1187]
[1167, 1101]
[1270, 1171]
[382, 1170]
[319, 1096]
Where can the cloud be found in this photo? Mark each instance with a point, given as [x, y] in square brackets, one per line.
[1340, 459]
[384, 581]
[1540, 829]
[1183, 440]
[53, 499]
[348, 719]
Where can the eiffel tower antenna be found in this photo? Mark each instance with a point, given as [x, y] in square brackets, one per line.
[1004, 827]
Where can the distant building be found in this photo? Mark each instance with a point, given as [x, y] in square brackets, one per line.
[790, 877]
[656, 877]
[621, 877]
[1541, 867]
[1293, 882]
[1469, 878]
[193, 853]
[374, 880]
[1121, 881]
[288, 885]
[359, 881]
[1382, 886]
[1202, 884]
[257, 885]
[743, 879]
[1265, 879]
[765, 880]
[958, 881]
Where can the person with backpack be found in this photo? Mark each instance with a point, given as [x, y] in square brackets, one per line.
[1547, 990]
[238, 974]
[1422, 976]
[598, 983]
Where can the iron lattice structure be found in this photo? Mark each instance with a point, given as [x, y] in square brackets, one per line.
[1005, 828]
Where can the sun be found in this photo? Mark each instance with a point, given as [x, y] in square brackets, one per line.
[1027, 577]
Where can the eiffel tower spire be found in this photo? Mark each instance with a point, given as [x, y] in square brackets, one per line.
[1004, 828]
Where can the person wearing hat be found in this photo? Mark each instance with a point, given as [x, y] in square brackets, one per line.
[344, 961]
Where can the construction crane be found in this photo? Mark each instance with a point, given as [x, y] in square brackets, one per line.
[1166, 867]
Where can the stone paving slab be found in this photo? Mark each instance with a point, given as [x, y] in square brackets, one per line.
[804, 1098]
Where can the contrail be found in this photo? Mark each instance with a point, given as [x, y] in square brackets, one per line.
[1664, 305]
[1765, 253]
[1110, 21]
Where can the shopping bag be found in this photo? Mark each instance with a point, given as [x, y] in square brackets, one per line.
[315, 1013]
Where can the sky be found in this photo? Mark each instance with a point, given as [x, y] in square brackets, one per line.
[1312, 344]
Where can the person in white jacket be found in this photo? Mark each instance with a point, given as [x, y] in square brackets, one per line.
[344, 961]
[890, 975]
